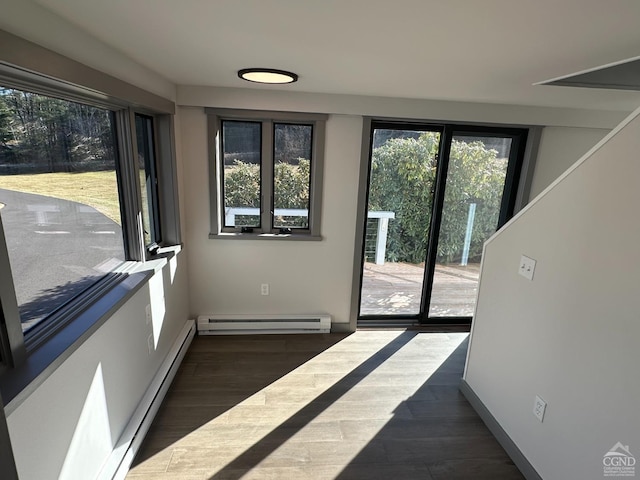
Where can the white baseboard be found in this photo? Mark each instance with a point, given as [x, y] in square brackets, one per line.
[119, 462]
[501, 436]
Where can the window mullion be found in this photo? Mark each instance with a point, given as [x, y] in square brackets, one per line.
[130, 186]
[267, 174]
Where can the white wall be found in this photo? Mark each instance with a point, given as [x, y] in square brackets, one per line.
[68, 427]
[35, 23]
[560, 147]
[305, 276]
[571, 334]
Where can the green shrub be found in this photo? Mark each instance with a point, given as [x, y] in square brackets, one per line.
[242, 185]
[402, 181]
[291, 189]
[402, 170]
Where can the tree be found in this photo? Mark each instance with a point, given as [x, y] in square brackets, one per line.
[40, 134]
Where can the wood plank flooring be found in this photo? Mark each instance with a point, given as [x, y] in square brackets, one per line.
[370, 405]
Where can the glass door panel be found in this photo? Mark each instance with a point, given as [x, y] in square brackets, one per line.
[401, 187]
[472, 203]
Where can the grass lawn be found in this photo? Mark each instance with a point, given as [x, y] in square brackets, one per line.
[96, 189]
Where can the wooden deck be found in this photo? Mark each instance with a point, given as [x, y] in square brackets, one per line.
[396, 289]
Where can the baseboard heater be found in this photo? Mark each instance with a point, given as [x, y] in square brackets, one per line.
[253, 324]
[121, 458]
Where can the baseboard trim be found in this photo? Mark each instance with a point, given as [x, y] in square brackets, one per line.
[124, 452]
[341, 328]
[503, 438]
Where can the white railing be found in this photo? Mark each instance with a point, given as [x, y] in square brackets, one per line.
[381, 234]
[231, 212]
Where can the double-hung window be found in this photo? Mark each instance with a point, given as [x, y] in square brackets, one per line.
[266, 174]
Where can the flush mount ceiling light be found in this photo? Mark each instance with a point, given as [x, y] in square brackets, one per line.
[267, 75]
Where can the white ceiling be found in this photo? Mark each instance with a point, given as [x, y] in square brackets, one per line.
[465, 50]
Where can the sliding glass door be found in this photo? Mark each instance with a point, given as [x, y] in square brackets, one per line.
[401, 188]
[436, 194]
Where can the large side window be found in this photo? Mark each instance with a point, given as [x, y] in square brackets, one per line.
[79, 203]
[266, 174]
[61, 208]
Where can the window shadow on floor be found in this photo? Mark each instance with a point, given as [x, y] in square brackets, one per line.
[218, 373]
[434, 434]
[280, 435]
[422, 429]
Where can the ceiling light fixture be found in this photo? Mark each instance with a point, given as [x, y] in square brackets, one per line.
[267, 75]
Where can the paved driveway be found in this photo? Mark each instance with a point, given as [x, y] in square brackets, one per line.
[57, 248]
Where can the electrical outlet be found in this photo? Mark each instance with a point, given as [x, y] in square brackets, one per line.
[264, 289]
[147, 311]
[527, 267]
[539, 406]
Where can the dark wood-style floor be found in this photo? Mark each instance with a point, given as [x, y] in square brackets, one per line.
[370, 405]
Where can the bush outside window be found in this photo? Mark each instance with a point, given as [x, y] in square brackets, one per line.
[266, 173]
[400, 169]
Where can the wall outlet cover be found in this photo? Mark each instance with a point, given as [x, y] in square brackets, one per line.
[539, 407]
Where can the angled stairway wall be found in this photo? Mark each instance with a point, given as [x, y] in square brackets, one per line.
[572, 335]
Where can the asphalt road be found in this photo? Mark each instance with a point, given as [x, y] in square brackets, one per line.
[57, 248]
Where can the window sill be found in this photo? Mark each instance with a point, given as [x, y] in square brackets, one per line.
[16, 384]
[158, 259]
[296, 237]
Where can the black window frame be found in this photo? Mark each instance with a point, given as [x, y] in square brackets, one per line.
[267, 119]
[515, 177]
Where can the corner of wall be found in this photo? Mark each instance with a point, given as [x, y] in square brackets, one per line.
[569, 335]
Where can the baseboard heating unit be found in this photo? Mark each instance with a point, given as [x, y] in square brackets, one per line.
[117, 465]
[253, 324]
